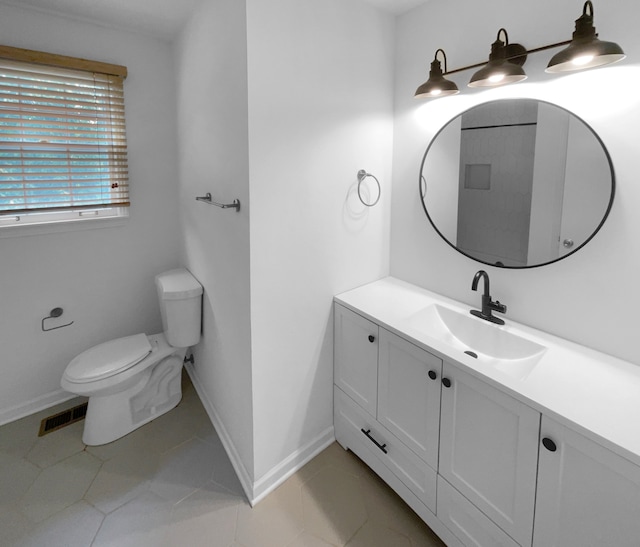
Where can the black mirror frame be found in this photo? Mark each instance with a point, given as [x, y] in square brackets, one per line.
[422, 183]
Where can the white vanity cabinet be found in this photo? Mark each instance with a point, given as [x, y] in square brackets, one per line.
[438, 429]
[488, 453]
[506, 449]
[398, 425]
[587, 495]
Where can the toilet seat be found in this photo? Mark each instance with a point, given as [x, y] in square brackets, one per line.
[108, 358]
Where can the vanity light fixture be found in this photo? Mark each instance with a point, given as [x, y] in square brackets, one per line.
[437, 85]
[504, 66]
[584, 50]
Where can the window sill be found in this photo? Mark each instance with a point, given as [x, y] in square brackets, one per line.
[59, 226]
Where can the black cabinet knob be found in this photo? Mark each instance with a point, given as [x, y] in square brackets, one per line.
[432, 374]
[549, 444]
[446, 382]
[372, 338]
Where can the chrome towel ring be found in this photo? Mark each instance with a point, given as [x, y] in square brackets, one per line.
[362, 174]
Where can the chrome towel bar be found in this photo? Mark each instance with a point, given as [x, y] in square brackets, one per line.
[209, 201]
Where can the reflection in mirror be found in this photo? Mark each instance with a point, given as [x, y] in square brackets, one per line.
[517, 183]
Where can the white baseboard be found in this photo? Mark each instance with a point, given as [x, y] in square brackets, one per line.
[241, 471]
[257, 490]
[281, 472]
[35, 405]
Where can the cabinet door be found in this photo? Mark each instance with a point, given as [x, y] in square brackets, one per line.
[587, 495]
[489, 450]
[356, 357]
[408, 399]
[470, 525]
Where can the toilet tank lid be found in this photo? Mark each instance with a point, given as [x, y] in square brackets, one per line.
[108, 358]
[177, 284]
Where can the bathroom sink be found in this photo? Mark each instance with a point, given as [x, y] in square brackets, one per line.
[490, 344]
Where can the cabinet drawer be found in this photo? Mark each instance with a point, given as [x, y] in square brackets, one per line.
[351, 422]
[466, 521]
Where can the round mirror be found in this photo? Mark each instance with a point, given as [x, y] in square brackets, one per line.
[517, 183]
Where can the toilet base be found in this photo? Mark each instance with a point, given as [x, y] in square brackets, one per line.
[158, 390]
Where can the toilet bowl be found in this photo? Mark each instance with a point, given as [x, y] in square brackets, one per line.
[134, 379]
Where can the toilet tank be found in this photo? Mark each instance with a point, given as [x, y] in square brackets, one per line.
[180, 297]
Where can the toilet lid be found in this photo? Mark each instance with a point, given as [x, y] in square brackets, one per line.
[108, 358]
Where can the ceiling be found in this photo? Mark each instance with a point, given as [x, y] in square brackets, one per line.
[162, 18]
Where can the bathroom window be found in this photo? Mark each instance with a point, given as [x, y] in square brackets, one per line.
[63, 149]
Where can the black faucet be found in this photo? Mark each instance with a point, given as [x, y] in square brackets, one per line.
[488, 305]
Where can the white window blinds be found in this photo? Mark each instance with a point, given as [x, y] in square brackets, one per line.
[62, 139]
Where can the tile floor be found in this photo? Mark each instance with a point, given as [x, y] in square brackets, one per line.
[170, 483]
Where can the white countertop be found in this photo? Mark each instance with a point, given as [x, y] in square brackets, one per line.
[591, 392]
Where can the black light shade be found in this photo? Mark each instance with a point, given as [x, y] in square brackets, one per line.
[585, 49]
[437, 85]
[499, 70]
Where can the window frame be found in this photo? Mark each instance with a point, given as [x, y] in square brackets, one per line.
[45, 219]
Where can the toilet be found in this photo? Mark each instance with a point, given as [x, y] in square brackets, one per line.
[132, 380]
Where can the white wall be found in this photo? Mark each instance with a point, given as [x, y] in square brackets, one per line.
[591, 297]
[280, 107]
[211, 60]
[103, 278]
[320, 109]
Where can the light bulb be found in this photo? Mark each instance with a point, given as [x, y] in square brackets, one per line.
[495, 78]
[582, 60]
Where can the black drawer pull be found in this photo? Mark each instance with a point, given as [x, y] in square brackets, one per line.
[382, 447]
[372, 338]
[432, 374]
[446, 382]
[549, 444]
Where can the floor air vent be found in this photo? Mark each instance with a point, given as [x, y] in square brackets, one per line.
[62, 419]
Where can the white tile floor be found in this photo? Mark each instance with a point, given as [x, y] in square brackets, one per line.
[170, 483]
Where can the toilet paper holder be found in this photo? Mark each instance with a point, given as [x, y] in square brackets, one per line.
[54, 313]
